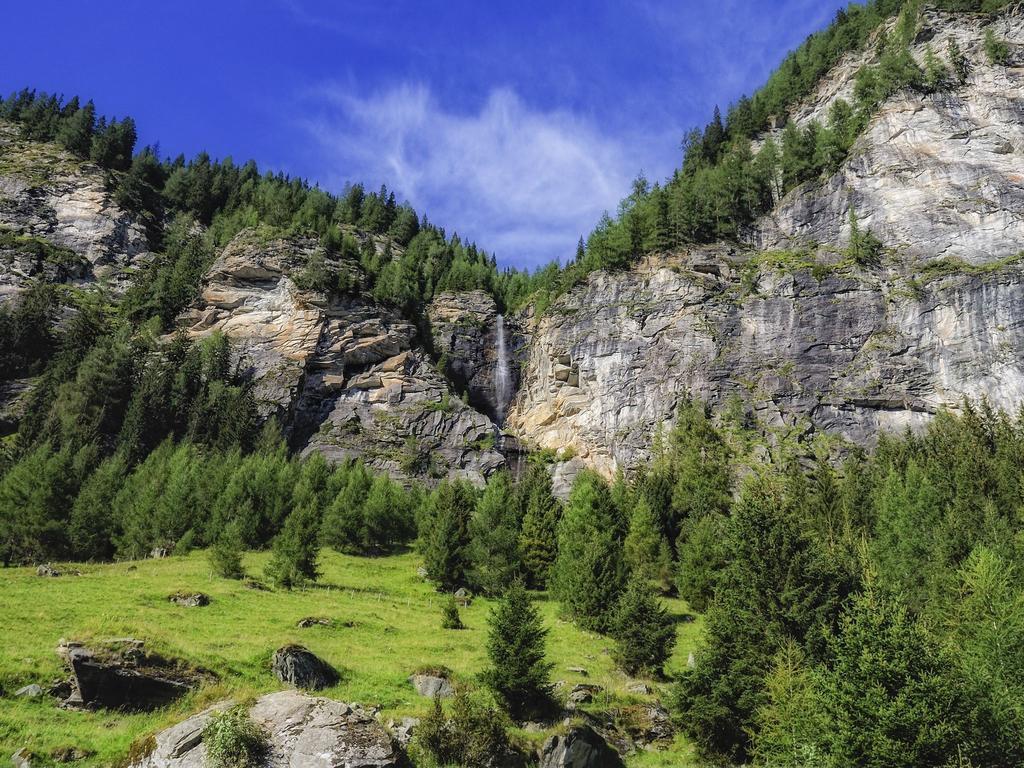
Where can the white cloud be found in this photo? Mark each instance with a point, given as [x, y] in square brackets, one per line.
[523, 182]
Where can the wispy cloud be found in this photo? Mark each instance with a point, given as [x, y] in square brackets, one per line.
[521, 181]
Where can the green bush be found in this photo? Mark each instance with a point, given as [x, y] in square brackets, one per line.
[996, 49]
[474, 732]
[450, 618]
[233, 740]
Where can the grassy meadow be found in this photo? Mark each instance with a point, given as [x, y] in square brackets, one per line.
[386, 624]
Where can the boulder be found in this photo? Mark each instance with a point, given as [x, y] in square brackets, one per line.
[314, 621]
[300, 667]
[303, 732]
[403, 730]
[121, 675]
[582, 693]
[30, 691]
[433, 686]
[579, 747]
[640, 689]
[22, 759]
[47, 570]
[189, 599]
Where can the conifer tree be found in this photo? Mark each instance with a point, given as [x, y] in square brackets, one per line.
[891, 696]
[645, 548]
[779, 583]
[493, 550]
[644, 632]
[450, 618]
[588, 574]
[91, 526]
[957, 60]
[518, 673]
[703, 554]
[226, 553]
[790, 722]
[296, 549]
[538, 539]
[447, 535]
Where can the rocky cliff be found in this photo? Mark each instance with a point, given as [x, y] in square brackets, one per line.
[59, 220]
[783, 325]
[343, 373]
[802, 339]
[464, 327]
[934, 175]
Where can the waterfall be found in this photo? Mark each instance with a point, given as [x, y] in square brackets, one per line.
[502, 376]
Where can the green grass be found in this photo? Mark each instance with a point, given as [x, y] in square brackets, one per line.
[395, 628]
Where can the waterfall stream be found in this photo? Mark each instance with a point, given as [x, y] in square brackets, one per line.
[502, 376]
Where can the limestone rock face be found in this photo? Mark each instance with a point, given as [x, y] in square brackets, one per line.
[853, 353]
[48, 195]
[936, 175]
[345, 374]
[303, 732]
[804, 342]
[465, 330]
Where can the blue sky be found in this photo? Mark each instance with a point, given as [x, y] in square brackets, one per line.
[514, 123]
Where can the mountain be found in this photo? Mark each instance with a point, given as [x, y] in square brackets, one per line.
[782, 324]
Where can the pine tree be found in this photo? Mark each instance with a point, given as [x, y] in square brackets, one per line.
[450, 618]
[296, 549]
[957, 60]
[588, 574]
[779, 583]
[91, 527]
[518, 673]
[935, 73]
[891, 696]
[645, 548]
[493, 551]
[76, 131]
[644, 632]
[988, 637]
[447, 535]
[538, 539]
[702, 557]
[226, 553]
[788, 726]
[865, 249]
[344, 525]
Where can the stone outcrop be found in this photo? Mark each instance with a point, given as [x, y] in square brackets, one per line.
[433, 685]
[302, 731]
[59, 221]
[345, 374]
[120, 674]
[849, 351]
[465, 336]
[935, 175]
[801, 340]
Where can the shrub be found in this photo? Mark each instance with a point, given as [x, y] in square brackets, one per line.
[450, 618]
[997, 51]
[474, 733]
[233, 740]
